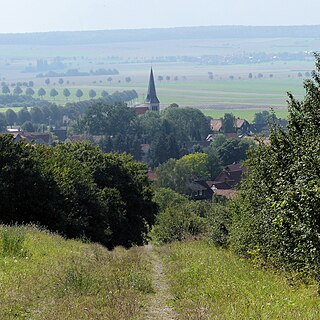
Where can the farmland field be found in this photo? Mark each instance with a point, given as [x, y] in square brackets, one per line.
[185, 83]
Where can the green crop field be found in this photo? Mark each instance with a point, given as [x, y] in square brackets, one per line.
[189, 84]
[219, 94]
[247, 114]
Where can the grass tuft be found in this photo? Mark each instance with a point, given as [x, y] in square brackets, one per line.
[13, 242]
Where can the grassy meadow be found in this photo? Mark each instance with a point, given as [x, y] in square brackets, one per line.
[43, 276]
[195, 90]
[247, 114]
[212, 283]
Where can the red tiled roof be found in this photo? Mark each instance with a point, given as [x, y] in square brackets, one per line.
[141, 110]
[152, 175]
[216, 124]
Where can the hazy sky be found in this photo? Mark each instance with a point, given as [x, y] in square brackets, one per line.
[56, 15]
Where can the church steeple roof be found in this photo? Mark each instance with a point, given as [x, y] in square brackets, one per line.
[151, 94]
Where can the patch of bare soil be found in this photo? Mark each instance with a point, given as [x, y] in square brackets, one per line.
[159, 305]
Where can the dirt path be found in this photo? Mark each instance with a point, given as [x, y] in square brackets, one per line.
[159, 304]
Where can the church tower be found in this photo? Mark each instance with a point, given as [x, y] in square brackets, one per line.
[152, 100]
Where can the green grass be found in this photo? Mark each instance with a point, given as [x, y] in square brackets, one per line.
[43, 276]
[212, 283]
[247, 114]
[15, 109]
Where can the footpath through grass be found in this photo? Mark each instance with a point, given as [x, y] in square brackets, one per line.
[43, 276]
[212, 283]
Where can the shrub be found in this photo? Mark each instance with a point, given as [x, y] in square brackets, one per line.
[179, 222]
[219, 220]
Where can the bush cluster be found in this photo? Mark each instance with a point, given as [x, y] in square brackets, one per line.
[180, 218]
[276, 215]
[77, 190]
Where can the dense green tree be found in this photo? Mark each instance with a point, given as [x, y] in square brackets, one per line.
[92, 93]
[23, 115]
[36, 115]
[54, 93]
[55, 114]
[104, 94]
[26, 192]
[173, 105]
[264, 117]
[17, 90]
[3, 122]
[29, 92]
[189, 124]
[127, 180]
[28, 126]
[159, 150]
[106, 144]
[60, 81]
[163, 148]
[47, 81]
[77, 190]
[177, 174]
[5, 89]
[104, 119]
[215, 163]
[276, 215]
[66, 93]
[150, 126]
[234, 151]
[41, 92]
[46, 114]
[79, 94]
[228, 123]
[11, 117]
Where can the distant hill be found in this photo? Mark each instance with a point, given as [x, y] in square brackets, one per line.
[107, 36]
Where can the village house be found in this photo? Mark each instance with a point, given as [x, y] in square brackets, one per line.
[241, 126]
[227, 180]
[199, 190]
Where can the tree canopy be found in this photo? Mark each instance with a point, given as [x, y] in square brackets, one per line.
[77, 190]
[276, 215]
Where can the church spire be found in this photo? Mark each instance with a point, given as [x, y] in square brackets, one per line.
[152, 100]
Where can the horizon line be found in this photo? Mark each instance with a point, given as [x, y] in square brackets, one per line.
[160, 28]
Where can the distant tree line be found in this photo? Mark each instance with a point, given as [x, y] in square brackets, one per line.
[168, 134]
[77, 73]
[110, 36]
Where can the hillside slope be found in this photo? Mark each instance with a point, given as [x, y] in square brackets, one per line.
[43, 276]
